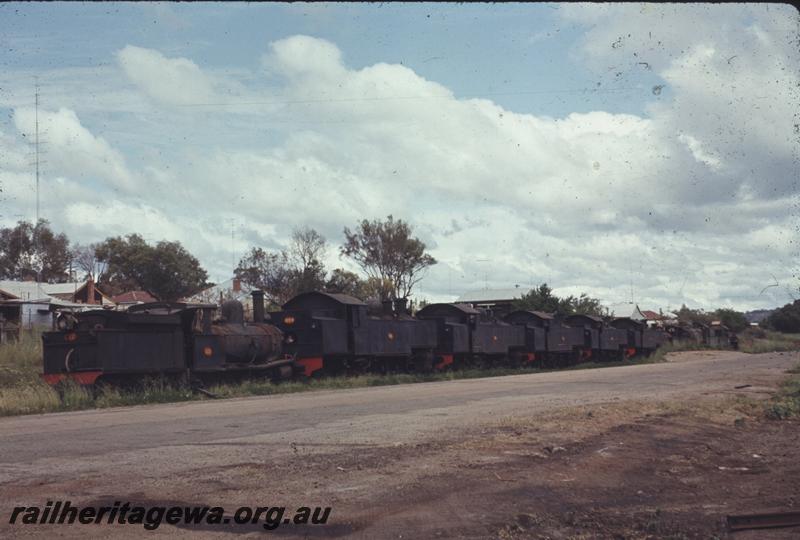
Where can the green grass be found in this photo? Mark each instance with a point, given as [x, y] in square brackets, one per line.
[23, 392]
[21, 361]
[786, 403]
[761, 341]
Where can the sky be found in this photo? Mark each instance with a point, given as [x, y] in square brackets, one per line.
[635, 152]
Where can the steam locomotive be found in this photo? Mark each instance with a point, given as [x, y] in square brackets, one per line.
[332, 333]
[318, 333]
[171, 339]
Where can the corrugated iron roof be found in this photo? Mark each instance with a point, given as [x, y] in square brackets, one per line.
[134, 297]
[58, 293]
[491, 295]
[463, 308]
[24, 290]
[338, 297]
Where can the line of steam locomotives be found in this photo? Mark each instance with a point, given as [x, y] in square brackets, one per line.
[319, 333]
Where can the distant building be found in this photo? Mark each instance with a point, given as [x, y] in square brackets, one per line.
[232, 289]
[500, 301]
[25, 305]
[638, 314]
[651, 318]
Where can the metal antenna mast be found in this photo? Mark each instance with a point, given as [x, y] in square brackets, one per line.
[36, 148]
[232, 221]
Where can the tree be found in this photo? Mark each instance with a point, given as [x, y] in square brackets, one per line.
[693, 315]
[387, 253]
[345, 282]
[270, 272]
[34, 252]
[785, 319]
[167, 270]
[306, 279]
[305, 253]
[284, 274]
[307, 248]
[585, 305]
[735, 320]
[542, 298]
[84, 258]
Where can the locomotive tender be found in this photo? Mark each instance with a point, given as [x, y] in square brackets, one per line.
[318, 333]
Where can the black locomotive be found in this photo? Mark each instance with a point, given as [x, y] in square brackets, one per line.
[172, 339]
[319, 333]
[333, 333]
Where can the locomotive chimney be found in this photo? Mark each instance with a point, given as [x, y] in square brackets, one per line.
[258, 306]
[400, 306]
[386, 306]
[237, 285]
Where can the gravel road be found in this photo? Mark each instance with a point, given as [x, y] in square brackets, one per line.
[243, 451]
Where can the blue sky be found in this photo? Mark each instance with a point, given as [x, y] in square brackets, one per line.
[513, 53]
[569, 143]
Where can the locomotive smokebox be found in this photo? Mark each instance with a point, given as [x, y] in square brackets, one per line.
[258, 306]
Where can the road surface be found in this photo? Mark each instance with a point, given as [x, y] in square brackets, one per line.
[288, 449]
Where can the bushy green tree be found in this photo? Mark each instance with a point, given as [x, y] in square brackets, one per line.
[541, 298]
[693, 315]
[735, 320]
[345, 282]
[286, 273]
[785, 319]
[31, 252]
[388, 254]
[167, 270]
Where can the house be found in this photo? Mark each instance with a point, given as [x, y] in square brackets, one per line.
[132, 298]
[500, 301]
[83, 292]
[25, 305]
[651, 318]
[232, 289]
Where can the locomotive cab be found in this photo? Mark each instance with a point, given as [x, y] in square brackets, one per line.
[469, 334]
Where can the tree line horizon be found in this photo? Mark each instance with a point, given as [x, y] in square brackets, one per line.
[391, 260]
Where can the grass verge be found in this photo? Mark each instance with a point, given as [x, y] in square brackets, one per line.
[761, 341]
